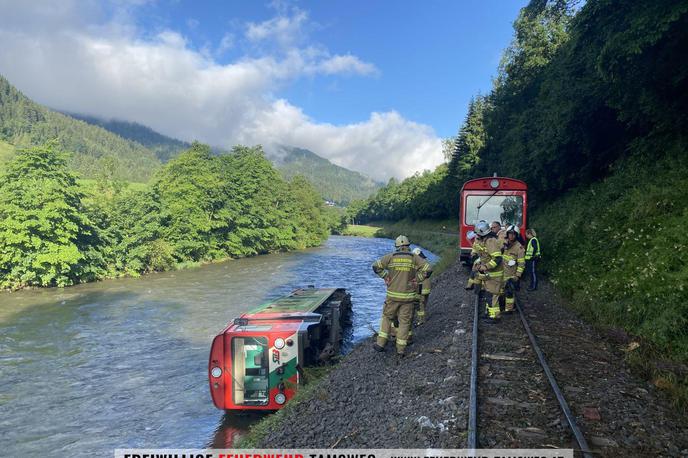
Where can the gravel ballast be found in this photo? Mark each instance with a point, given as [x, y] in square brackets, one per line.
[378, 400]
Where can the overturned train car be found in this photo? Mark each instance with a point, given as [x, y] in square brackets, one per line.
[256, 363]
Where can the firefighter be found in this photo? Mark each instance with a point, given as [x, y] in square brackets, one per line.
[476, 248]
[533, 255]
[514, 264]
[496, 228]
[423, 292]
[491, 269]
[401, 271]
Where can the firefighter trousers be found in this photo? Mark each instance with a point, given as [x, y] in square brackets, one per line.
[493, 293]
[422, 300]
[403, 311]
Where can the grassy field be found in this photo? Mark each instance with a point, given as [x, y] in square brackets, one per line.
[358, 230]
[6, 152]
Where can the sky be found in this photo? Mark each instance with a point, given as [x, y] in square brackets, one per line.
[370, 85]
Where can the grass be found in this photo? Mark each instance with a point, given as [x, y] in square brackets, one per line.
[6, 152]
[358, 230]
[305, 393]
[617, 251]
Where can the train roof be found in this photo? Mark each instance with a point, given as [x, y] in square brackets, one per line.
[479, 184]
[303, 300]
[284, 312]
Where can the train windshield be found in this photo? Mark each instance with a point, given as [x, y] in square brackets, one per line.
[505, 209]
[250, 370]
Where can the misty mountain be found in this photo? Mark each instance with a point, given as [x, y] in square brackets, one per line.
[164, 147]
[24, 122]
[335, 183]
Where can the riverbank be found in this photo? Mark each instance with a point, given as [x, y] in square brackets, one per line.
[379, 400]
[439, 236]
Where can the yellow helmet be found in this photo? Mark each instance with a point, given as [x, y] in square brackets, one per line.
[402, 240]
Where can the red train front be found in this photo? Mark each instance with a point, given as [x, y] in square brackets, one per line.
[256, 362]
[491, 199]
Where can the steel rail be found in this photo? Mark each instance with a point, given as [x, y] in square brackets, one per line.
[582, 443]
[473, 395]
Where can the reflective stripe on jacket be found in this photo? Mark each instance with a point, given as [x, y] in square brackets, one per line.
[405, 271]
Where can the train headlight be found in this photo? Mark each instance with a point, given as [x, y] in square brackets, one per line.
[216, 372]
[280, 398]
[279, 343]
[494, 183]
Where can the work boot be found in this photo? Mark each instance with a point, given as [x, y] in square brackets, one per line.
[530, 288]
[489, 320]
[378, 348]
[469, 287]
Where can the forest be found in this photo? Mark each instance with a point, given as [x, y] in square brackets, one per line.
[57, 230]
[590, 108]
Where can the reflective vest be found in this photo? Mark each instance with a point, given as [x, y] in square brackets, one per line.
[533, 249]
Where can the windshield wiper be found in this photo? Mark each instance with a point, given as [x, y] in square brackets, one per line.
[481, 205]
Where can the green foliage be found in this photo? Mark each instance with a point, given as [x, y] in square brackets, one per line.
[25, 123]
[620, 250]
[55, 230]
[46, 239]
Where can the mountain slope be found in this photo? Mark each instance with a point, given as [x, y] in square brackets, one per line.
[335, 183]
[24, 123]
[164, 147]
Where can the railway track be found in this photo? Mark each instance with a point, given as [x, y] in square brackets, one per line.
[514, 399]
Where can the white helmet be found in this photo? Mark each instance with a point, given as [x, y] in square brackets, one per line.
[482, 228]
[402, 240]
[512, 228]
[416, 251]
[470, 235]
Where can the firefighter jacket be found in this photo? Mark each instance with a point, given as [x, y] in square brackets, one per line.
[492, 257]
[402, 271]
[478, 250]
[533, 249]
[516, 254]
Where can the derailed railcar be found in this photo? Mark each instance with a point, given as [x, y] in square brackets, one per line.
[491, 199]
[257, 361]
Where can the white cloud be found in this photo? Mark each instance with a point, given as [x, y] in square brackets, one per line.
[346, 64]
[80, 61]
[226, 43]
[284, 30]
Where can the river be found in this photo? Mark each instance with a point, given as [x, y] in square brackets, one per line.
[122, 363]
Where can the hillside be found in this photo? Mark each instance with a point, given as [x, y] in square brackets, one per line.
[25, 123]
[335, 183]
[164, 147]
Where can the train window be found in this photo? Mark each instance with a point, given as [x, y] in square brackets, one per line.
[250, 370]
[505, 209]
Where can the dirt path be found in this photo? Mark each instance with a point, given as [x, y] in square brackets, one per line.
[378, 400]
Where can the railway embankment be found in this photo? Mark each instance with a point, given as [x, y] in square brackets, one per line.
[380, 400]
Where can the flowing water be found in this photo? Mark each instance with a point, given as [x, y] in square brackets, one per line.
[123, 363]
